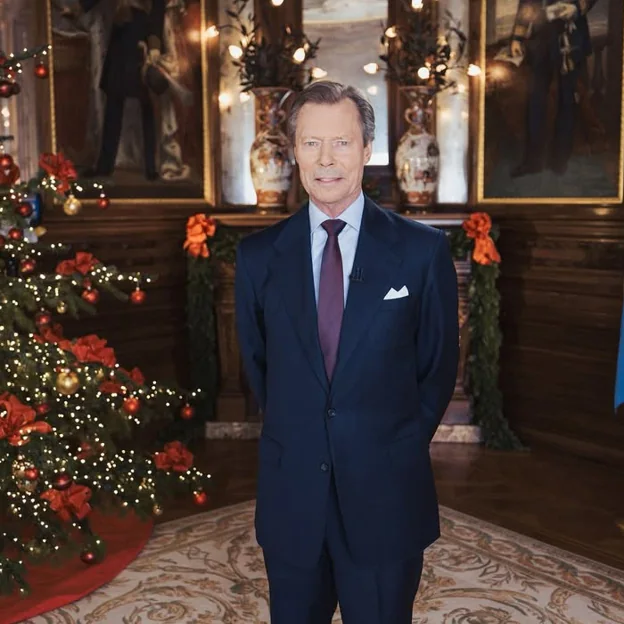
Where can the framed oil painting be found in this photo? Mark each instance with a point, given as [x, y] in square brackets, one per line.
[550, 102]
[129, 96]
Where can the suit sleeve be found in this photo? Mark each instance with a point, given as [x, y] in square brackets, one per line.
[250, 330]
[437, 340]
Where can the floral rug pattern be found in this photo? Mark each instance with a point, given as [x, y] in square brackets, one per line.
[208, 569]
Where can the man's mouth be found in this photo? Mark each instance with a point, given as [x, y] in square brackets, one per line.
[327, 180]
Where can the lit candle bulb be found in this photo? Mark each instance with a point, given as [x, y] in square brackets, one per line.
[235, 51]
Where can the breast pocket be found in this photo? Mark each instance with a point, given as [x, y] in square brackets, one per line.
[394, 324]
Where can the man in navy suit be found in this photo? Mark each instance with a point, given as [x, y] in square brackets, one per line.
[348, 328]
[554, 37]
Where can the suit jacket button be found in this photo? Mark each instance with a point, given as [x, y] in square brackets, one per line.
[324, 467]
[331, 412]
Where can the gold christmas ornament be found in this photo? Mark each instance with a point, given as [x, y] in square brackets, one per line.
[40, 231]
[61, 307]
[100, 375]
[72, 206]
[67, 382]
[157, 510]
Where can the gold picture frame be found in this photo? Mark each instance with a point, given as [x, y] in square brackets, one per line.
[191, 163]
[507, 100]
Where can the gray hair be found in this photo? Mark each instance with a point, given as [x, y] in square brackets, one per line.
[328, 92]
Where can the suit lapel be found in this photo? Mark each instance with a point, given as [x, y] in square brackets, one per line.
[378, 258]
[292, 269]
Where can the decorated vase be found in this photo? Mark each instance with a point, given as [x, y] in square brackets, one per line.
[270, 159]
[417, 158]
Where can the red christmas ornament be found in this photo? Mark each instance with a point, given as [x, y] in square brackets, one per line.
[62, 481]
[43, 318]
[6, 88]
[42, 408]
[91, 295]
[200, 498]
[187, 412]
[132, 405]
[87, 283]
[2, 241]
[31, 473]
[16, 234]
[6, 161]
[138, 296]
[41, 70]
[88, 556]
[24, 209]
[103, 203]
[27, 265]
[3, 59]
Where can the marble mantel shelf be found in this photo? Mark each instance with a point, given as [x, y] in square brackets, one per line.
[262, 220]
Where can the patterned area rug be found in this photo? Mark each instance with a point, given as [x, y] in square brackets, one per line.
[208, 569]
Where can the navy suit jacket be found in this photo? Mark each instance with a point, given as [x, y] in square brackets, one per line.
[371, 427]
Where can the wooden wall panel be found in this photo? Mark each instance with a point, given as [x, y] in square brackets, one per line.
[561, 284]
[135, 238]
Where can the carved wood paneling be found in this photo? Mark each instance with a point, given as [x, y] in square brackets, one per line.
[561, 285]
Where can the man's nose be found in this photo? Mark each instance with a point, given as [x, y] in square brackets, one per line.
[326, 157]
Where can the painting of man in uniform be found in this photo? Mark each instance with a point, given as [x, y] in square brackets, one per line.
[128, 94]
[553, 100]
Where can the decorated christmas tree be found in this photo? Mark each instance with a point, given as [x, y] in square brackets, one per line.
[74, 424]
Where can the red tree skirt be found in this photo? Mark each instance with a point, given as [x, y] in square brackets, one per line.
[54, 587]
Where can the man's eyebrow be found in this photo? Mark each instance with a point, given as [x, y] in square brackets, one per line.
[316, 138]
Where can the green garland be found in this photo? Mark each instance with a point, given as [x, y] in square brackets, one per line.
[485, 343]
[200, 315]
[485, 334]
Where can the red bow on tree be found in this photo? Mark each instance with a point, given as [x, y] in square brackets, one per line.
[17, 421]
[69, 502]
[61, 168]
[175, 457]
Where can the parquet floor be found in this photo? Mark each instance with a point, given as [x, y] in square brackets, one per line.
[567, 502]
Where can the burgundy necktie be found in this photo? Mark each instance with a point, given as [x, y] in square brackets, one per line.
[331, 295]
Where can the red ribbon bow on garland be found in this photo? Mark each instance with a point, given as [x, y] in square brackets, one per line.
[478, 227]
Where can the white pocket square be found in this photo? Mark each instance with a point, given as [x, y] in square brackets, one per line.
[396, 294]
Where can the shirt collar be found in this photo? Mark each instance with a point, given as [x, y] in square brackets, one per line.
[352, 216]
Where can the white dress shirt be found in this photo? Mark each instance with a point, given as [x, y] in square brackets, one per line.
[347, 240]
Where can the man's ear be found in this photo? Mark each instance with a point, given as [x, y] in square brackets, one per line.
[368, 152]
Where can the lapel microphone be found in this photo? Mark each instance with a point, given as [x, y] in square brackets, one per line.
[357, 275]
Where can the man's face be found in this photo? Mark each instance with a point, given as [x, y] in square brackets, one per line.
[331, 154]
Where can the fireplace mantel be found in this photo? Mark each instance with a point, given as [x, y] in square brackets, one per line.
[237, 414]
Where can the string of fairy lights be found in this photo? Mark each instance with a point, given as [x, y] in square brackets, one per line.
[299, 56]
